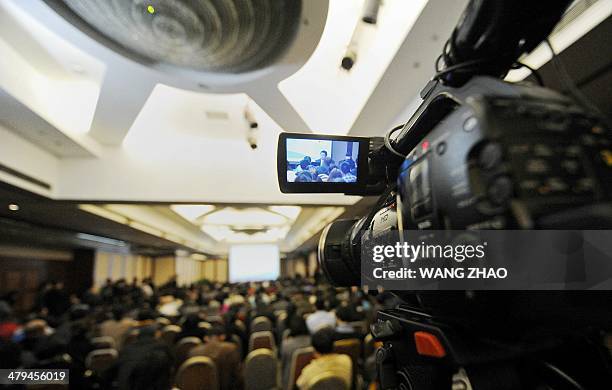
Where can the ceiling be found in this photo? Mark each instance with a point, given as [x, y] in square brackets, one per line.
[109, 143]
[155, 133]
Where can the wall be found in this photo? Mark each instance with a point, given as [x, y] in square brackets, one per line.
[120, 265]
[22, 270]
[164, 268]
[215, 270]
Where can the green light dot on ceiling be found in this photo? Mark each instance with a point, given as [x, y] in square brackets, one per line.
[150, 9]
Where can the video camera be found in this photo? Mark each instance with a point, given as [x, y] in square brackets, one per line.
[478, 154]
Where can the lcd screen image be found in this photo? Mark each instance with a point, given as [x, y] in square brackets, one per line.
[322, 161]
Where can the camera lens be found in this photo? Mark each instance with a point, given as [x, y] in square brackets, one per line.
[339, 252]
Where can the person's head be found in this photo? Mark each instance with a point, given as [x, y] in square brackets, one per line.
[322, 170]
[348, 157]
[297, 326]
[118, 312]
[303, 177]
[304, 164]
[345, 168]
[334, 175]
[216, 332]
[323, 155]
[323, 340]
[153, 372]
[344, 313]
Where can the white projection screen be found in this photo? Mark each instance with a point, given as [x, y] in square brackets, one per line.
[253, 262]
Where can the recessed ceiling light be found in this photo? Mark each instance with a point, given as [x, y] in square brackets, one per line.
[13, 207]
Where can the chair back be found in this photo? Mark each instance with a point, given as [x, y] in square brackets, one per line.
[261, 370]
[299, 360]
[197, 373]
[183, 347]
[328, 381]
[263, 339]
[352, 348]
[99, 360]
[163, 321]
[169, 333]
[261, 324]
[103, 342]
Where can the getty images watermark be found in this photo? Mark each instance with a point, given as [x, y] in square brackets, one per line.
[488, 260]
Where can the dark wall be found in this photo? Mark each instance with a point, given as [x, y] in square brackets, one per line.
[21, 276]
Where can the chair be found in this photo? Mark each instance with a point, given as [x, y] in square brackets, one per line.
[328, 381]
[184, 346]
[197, 373]
[352, 348]
[261, 370]
[262, 340]
[169, 333]
[300, 359]
[261, 324]
[103, 342]
[163, 321]
[99, 360]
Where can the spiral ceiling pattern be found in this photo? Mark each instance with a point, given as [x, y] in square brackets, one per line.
[227, 36]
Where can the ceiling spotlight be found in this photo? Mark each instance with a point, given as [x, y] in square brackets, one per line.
[150, 9]
[13, 207]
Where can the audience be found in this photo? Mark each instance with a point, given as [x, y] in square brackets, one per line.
[325, 360]
[224, 354]
[320, 318]
[298, 338]
[133, 314]
[324, 169]
[145, 364]
[117, 327]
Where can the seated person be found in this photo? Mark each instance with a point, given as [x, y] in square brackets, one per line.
[325, 360]
[344, 330]
[117, 327]
[146, 363]
[346, 173]
[349, 160]
[322, 157]
[323, 172]
[320, 318]
[298, 338]
[335, 176]
[191, 327]
[304, 177]
[303, 165]
[225, 355]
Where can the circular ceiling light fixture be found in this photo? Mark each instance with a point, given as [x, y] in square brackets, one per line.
[224, 36]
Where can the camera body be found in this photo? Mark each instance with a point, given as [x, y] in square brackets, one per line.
[507, 157]
[480, 154]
